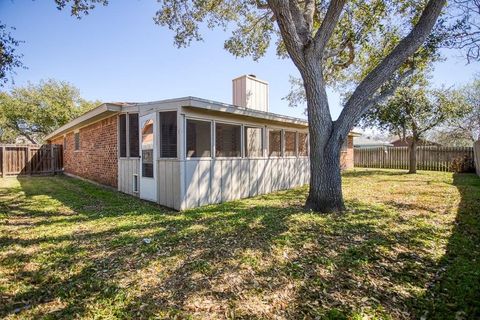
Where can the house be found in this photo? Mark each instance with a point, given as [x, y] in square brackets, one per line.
[421, 142]
[187, 152]
[369, 142]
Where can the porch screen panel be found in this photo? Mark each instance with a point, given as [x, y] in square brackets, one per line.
[123, 135]
[302, 144]
[147, 149]
[228, 139]
[199, 135]
[253, 142]
[275, 143]
[290, 143]
[133, 135]
[168, 134]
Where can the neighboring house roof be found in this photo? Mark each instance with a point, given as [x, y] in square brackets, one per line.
[369, 142]
[421, 142]
[108, 109]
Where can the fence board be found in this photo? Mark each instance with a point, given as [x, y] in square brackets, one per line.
[30, 159]
[428, 158]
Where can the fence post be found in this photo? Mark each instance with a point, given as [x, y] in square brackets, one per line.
[52, 160]
[3, 161]
[27, 162]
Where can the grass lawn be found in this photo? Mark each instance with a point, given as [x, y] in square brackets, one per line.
[408, 247]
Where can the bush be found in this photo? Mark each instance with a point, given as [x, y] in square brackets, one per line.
[462, 164]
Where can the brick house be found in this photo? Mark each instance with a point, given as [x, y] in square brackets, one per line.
[187, 152]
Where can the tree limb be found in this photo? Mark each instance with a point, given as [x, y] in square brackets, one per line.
[324, 33]
[357, 104]
[286, 24]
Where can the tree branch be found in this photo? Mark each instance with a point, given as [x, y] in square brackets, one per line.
[380, 98]
[357, 104]
[290, 36]
[324, 33]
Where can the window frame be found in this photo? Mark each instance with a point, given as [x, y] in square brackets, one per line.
[212, 140]
[77, 147]
[135, 183]
[127, 135]
[263, 142]
[282, 139]
[295, 149]
[298, 144]
[159, 144]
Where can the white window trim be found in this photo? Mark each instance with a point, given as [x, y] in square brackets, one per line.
[159, 158]
[212, 140]
[244, 155]
[214, 155]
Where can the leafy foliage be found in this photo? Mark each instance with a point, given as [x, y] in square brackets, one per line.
[414, 110]
[79, 7]
[466, 129]
[34, 111]
[10, 59]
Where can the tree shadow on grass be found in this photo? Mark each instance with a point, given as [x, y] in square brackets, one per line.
[253, 259]
[454, 291]
[81, 261]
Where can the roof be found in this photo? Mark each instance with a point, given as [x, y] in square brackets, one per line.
[366, 141]
[108, 109]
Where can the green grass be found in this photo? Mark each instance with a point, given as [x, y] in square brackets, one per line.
[408, 246]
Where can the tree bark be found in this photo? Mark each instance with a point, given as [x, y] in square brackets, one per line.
[412, 166]
[326, 136]
[325, 193]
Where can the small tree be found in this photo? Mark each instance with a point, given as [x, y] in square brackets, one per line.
[466, 129]
[34, 111]
[413, 111]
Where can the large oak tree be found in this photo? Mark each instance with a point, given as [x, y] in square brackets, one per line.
[326, 40]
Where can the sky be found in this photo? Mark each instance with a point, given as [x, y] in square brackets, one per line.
[117, 53]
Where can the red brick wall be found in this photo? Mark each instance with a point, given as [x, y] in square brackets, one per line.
[97, 158]
[346, 157]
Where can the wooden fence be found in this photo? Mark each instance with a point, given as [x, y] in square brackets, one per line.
[30, 159]
[476, 152]
[428, 158]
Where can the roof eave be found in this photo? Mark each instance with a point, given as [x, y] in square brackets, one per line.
[102, 111]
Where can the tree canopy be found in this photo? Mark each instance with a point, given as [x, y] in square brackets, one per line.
[414, 110]
[359, 43]
[465, 129]
[34, 111]
[10, 59]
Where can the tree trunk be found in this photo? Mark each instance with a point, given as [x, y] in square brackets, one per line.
[412, 166]
[325, 194]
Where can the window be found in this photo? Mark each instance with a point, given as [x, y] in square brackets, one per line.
[147, 149]
[275, 143]
[253, 142]
[133, 135]
[123, 134]
[290, 143]
[228, 139]
[168, 134]
[302, 144]
[128, 135]
[135, 183]
[199, 142]
[77, 140]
